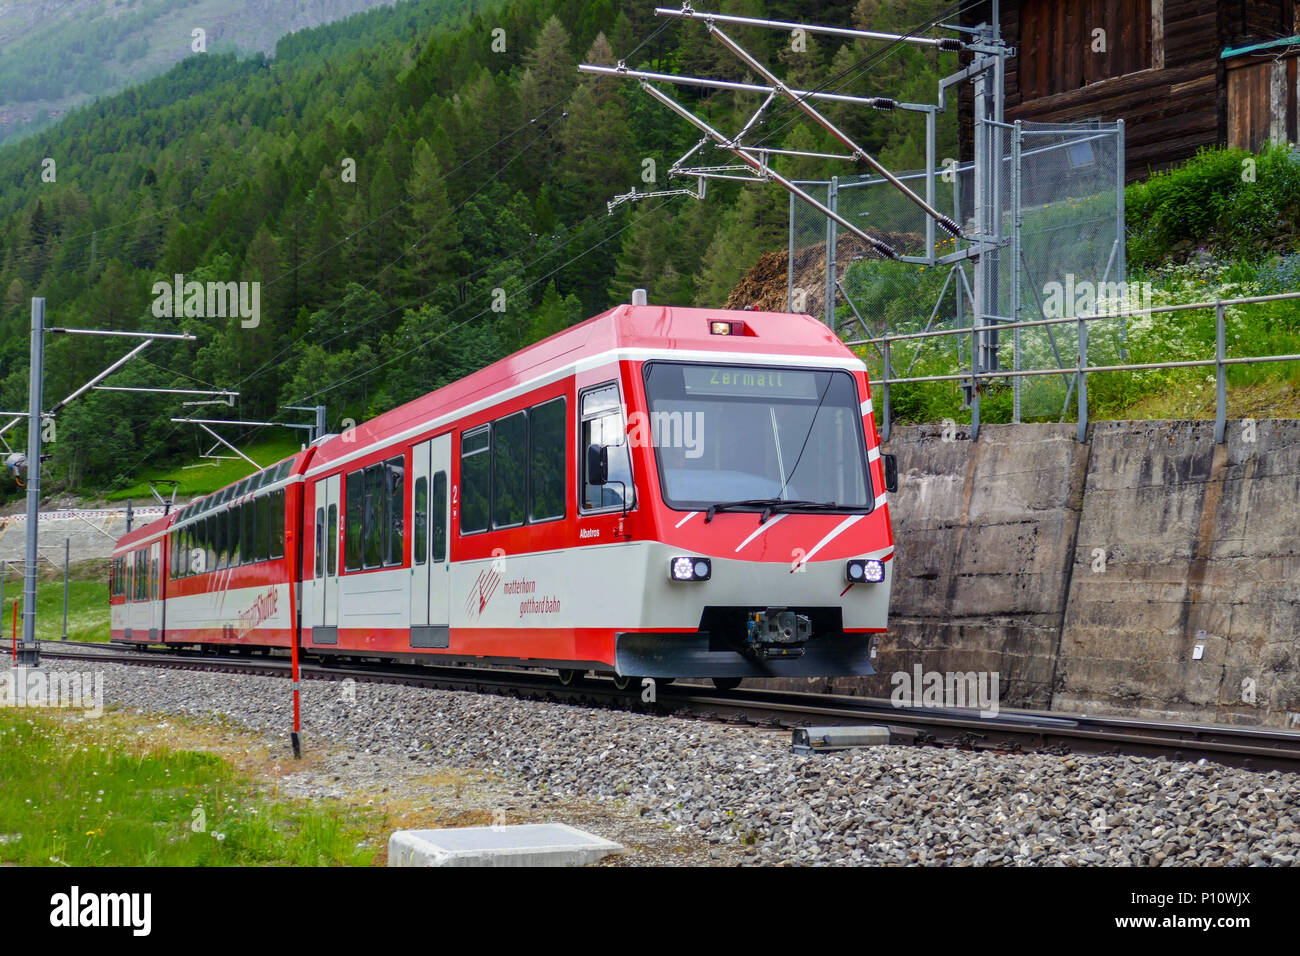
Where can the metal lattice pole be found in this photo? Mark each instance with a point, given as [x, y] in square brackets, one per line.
[832, 201]
[28, 652]
[1016, 221]
[789, 282]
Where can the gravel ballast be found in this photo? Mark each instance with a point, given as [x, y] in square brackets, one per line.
[741, 791]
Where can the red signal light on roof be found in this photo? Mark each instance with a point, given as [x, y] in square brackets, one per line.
[718, 327]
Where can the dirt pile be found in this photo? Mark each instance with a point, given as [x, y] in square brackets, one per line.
[764, 287]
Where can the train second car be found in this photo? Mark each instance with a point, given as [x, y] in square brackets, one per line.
[655, 492]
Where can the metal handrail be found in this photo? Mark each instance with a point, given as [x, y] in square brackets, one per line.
[1081, 369]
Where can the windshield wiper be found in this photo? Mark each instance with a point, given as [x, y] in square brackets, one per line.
[770, 506]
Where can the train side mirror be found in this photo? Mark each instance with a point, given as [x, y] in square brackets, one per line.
[597, 464]
[891, 472]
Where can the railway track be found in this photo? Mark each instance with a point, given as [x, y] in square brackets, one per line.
[1010, 731]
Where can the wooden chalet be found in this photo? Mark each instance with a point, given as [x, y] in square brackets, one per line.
[1182, 74]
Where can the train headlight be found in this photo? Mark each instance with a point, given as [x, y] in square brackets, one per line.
[690, 569]
[865, 572]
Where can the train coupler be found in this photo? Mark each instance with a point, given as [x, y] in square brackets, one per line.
[777, 634]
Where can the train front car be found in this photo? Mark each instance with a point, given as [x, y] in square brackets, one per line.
[751, 440]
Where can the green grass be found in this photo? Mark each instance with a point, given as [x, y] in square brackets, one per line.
[78, 794]
[208, 475]
[1256, 390]
[87, 603]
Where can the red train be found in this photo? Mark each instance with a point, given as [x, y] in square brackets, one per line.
[656, 492]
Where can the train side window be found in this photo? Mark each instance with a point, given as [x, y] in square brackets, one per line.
[246, 548]
[221, 522]
[254, 506]
[602, 425]
[236, 536]
[546, 457]
[440, 517]
[320, 542]
[332, 542]
[475, 480]
[263, 527]
[420, 518]
[509, 471]
[153, 578]
[396, 471]
[277, 523]
[211, 541]
[376, 517]
[354, 520]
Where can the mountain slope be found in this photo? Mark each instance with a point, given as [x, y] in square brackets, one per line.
[57, 54]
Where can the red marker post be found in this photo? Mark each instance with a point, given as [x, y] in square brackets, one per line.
[293, 562]
[15, 631]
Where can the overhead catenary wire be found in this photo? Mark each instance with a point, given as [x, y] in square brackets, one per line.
[271, 363]
[430, 339]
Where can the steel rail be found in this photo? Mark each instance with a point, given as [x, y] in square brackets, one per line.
[1010, 731]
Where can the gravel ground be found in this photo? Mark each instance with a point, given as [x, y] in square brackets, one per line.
[681, 791]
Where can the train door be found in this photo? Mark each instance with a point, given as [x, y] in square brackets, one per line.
[155, 591]
[430, 569]
[141, 615]
[128, 595]
[327, 593]
[419, 486]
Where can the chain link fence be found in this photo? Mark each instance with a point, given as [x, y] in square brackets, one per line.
[1051, 226]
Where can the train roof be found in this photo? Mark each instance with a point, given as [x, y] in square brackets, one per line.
[271, 475]
[622, 329]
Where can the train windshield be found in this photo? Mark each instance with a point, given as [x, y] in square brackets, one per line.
[754, 438]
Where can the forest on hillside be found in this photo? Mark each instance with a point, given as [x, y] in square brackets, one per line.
[382, 178]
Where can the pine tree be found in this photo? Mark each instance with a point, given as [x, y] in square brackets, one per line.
[429, 225]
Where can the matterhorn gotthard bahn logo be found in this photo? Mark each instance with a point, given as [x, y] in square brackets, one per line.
[491, 580]
[480, 594]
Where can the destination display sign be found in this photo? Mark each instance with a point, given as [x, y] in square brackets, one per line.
[736, 380]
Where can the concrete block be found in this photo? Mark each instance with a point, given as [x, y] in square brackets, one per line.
[529, 844]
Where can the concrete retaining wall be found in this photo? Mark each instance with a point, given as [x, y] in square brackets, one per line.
[1085, 575]
[1182, 543]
